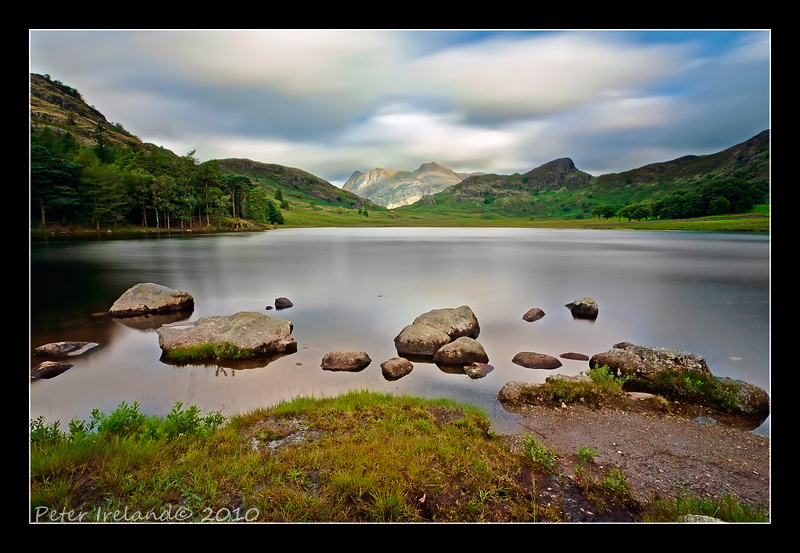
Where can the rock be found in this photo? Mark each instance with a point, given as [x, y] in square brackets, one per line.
[455, 322]
[478, 370]
[646, 362]
[575, 378]
[461, 351]
[515, 391]
[533, 314]
[351, 361]
[534, 360]
[396, 368]
[64, 349]
[283, 303]
[255, 333]
[701, 518]
[420, 340]
[622, 345]
[49, 369]
[575, 356]
[583, 308]
[149, 298]
[751, 398]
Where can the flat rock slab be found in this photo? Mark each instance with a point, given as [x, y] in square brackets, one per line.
[149, 298]
[49, 369]
[575, 356]
[257, 333]
[64, 349]
[533, 360]
[350, 361]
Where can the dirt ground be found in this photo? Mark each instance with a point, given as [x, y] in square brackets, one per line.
[661, 454]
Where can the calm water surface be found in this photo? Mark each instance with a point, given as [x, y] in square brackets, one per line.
[355, 289]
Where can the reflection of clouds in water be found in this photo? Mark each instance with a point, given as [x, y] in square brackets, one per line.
[355, 290]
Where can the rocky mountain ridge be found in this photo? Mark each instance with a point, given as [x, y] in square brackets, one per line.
[402, 187]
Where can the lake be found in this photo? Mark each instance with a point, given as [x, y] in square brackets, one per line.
[355, 289]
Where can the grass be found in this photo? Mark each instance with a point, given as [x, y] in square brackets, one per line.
[302, 216]
[357, 457]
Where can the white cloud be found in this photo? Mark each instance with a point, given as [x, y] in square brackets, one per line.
[545, 73]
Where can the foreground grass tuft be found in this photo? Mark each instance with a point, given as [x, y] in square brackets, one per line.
[361, 456]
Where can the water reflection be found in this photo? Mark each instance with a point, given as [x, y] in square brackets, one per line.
[356, 289]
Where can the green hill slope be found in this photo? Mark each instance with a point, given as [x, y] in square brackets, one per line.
[559, 189]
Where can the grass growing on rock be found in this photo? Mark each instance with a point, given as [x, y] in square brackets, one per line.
[357, 457]
[207, 352]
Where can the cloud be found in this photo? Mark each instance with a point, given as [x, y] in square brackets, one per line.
[334, 101]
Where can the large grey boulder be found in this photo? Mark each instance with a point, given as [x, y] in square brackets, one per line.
[454, 321]
[432, 330]
[461, 351]
[647, 362]
[420, 340]
[252, 333]
[149, 298]
[351, 361]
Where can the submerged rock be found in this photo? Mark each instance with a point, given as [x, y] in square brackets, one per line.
[478, 370]
[351, 361]
[533, 360]
[461, 351]
[583, 308]
[49, 369]
[396, 368]
[64, 349]
[533, 314]
[147, 298]
[575, 356]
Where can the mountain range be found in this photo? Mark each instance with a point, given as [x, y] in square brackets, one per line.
[556, 188]
[397, 188]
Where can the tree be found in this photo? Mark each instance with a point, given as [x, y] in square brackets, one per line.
[54, 182]
[719, 205]
[274, 214]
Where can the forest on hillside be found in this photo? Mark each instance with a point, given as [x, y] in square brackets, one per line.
[106, 184]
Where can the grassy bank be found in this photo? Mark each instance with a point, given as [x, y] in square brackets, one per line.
[358, 457]
[757, 221]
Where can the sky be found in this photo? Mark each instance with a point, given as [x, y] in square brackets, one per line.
[335, 101]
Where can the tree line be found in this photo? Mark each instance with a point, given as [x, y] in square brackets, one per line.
[105, 184]
[717, 197]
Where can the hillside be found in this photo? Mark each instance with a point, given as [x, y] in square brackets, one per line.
[62, 109]
[79, 162]
[89, 170]
[559, 189]
[296, 184]
[397, 188]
